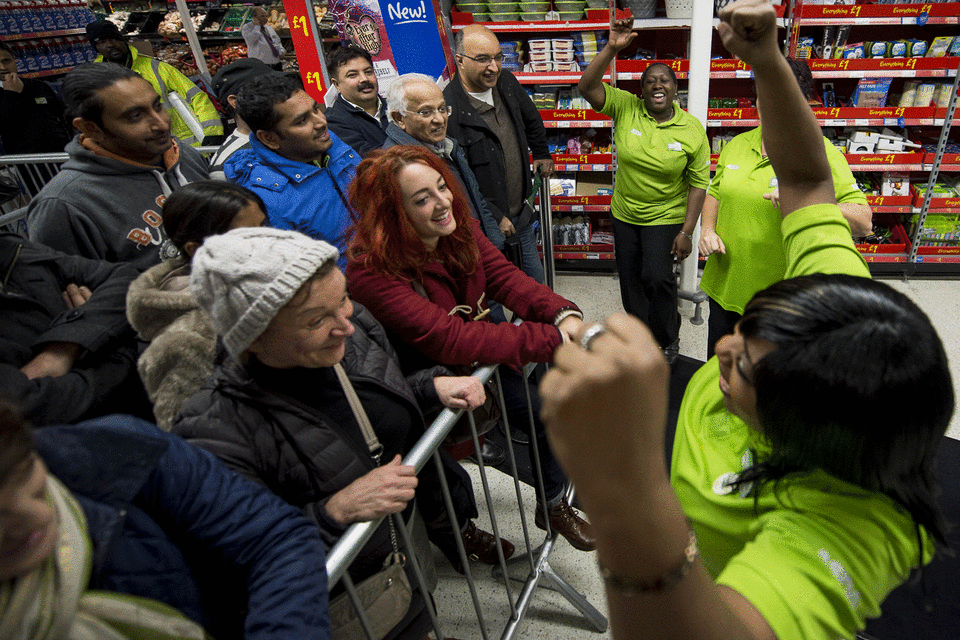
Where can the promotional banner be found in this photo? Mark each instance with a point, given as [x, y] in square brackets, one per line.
[402, 36]
[304, 43]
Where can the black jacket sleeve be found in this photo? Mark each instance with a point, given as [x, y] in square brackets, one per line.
[532, 122]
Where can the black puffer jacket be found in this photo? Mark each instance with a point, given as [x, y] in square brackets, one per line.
[294, 449]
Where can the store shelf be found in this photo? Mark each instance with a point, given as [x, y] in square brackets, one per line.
[583, 162]
[45, 73]
[890, 204]
[880, 14]
[574, 119]
[460, 20]
[885, 68]
[886, 161]
[42, 34]
[552, 77]
[841, 117]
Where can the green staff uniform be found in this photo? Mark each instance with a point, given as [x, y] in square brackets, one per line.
[815, 555]
[657, 163]
[749, 225]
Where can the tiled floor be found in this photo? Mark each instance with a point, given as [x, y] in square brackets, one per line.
[550, 617]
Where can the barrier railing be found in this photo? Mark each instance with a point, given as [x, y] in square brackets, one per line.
[31, 171]
[539, 572]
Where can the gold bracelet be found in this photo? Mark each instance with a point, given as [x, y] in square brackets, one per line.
[634, 586]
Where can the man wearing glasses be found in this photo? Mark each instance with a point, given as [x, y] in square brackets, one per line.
[497, 124]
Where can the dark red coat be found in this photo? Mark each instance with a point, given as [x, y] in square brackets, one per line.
[456, 339]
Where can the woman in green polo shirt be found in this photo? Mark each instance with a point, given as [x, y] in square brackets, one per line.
[740, 230]
[663, 172]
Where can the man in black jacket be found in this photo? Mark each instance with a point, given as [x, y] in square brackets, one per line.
[498, 125]
[359, 114]
[67, 352]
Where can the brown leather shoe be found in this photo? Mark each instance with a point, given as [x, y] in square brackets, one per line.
[481, 546]
[565, 520]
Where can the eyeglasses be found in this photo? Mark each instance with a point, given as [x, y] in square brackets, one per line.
[426, 114]
[485, 60]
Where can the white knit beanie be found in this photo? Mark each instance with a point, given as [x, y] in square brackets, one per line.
[242, 278]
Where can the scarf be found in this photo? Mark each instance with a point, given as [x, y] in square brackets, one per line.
[52, 601]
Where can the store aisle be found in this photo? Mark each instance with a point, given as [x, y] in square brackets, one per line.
[599, 296]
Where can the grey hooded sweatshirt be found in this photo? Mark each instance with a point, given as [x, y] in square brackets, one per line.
[103, 208]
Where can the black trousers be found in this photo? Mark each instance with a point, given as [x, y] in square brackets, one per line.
[648, 285]
[719, 324]
[515, 400]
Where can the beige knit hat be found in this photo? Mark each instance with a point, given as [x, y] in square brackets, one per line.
[242, 278]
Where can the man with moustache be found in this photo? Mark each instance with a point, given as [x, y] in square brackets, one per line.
[295, 164]
[498, 126]
[107, 201]
[359, 114]
[105, 37]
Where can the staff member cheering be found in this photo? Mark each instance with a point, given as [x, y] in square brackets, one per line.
[664, 173]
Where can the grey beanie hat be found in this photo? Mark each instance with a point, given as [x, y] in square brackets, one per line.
[242, 278]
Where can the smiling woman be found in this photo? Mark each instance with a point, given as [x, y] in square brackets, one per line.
[277, 410]
[664, 171]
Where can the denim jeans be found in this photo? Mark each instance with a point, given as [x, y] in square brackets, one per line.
[532, 266]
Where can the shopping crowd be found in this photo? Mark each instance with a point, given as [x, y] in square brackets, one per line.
[213, 367]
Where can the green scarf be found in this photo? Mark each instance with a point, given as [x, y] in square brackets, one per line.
[52, 602]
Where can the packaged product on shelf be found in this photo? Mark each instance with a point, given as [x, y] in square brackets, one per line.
[854, 51]
[119, 18]
[941, 96]
[825, 49]
[805, 48]
[511, 46]
[938, 230]
[909, 95]
[563, 186]
[877, 49]
[895, 184]
[540, 45]
[171, 24]
[939, 47]
[840, 42]
[954, 48]
[538, 67]
[940, 190]
[925, 91]
[898, 49]
[872, 92]
[866, 184]
[918, 48]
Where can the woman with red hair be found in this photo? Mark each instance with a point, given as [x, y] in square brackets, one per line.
[425, 270]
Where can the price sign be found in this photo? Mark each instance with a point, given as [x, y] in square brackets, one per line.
[311, 71]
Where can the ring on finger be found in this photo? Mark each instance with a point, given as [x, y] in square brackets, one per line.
[590, 335]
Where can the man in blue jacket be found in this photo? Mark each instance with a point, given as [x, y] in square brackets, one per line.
[295, 164]
[134, 530]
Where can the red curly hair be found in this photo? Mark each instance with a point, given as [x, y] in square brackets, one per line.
[384, 240]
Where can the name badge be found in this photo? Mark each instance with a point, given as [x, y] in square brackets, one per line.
[41, 100]
[733, 167]
[773, 182]
[636, 133]
[674, 146]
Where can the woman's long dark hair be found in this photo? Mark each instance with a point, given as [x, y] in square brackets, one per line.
[858, 386]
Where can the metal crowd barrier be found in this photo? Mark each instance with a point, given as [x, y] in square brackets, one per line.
[539, 573]
[31, 172]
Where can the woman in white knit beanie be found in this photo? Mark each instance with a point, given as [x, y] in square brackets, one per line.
[276, 411]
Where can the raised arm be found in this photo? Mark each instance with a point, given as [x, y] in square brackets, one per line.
[791, 135]
[591, 82]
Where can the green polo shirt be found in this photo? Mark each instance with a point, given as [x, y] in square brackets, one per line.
[816, 556]
[657, 163]
[749, 225]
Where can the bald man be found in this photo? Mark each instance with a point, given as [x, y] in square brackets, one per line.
[498, 125]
